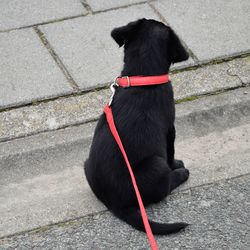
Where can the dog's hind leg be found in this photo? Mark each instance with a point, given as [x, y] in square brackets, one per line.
[152, 176]
[156, 179]
[174, 164]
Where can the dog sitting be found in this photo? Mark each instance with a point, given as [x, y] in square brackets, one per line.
[144, 117]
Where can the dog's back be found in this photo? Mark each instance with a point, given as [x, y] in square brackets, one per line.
[142, 125]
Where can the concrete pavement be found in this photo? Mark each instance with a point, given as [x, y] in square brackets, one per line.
[57, 59]
[218, 214]
[51, 49]
[75, 110]
[42, 180]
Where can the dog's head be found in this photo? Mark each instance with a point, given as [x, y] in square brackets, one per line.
[152, 39]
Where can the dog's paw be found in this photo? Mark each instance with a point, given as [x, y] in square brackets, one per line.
[178, 176]
[183, 173]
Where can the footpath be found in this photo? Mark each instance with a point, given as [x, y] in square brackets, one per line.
[57, 61]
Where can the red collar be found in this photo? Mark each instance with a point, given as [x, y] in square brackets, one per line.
[127, 81]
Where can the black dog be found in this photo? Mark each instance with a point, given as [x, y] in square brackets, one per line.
[144, 117]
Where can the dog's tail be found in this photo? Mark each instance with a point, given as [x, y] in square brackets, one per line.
[133, 217]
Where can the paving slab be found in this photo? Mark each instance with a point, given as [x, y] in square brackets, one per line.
[48, 186]
[109, 4]
[218, 214]
[215, 155]
[222, 111]
[28, 72]
[52, 115]
[210, 30]
[241, 68]
[181, 65]
[67, 111]
[86, 47]
[15, 13]
[42, 180]
[204, 80]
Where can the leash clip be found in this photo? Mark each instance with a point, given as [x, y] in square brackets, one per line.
[112, 88]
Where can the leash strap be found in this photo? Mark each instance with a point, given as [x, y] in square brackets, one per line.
[111, 123]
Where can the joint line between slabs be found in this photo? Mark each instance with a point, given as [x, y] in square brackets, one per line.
[56, 58]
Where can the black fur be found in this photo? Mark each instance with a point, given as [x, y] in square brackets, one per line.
[144, 117]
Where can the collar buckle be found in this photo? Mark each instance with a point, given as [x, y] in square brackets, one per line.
[128, 81]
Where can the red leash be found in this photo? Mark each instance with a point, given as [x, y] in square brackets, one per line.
[127, 82]
[110, 120]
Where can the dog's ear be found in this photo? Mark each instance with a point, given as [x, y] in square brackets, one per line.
[177, 52]
[122, 34]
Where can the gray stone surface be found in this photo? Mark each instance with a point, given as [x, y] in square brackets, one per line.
[15, 13]
[41, 176]
[109, 4]
[87, 107]
[42, 180]
[204, 80]
[210, 30]
[241, 68]
[28, 72]
[86, 47]
[48, 153]
[184, 64]
[214, 155]
[223, 111]
[52, 115]
[218, 214]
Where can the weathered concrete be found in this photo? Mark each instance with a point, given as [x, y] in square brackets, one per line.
[46, 199]
[218, 155]
[52, 115]
[87, 107]
[218, 214]
[241, 68]
[42, 180]
[15, 14]
[28, 72]
[218, 112]
[204, 80]
[210, 30]
[86, 48]
[109, 4]
[49, 153]
[182, 65]
[43, 174]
